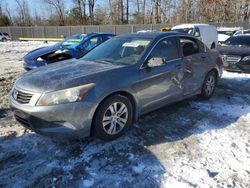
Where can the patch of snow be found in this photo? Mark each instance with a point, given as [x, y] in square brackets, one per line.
[190, 144]
[138, 168]
[88, 182]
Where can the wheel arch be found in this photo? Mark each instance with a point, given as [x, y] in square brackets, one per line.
[215, 71]
[213, 45]
[122, 93]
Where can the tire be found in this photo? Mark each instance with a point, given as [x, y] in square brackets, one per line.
[109, 123]
[213, 46]
[209, 85]
[4, 39]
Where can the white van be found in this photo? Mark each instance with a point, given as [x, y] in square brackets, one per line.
[205, 32]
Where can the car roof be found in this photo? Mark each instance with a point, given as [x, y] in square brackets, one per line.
[154, 34]
[190, 25]
[100, 33]
[229, 28]
[241, 36]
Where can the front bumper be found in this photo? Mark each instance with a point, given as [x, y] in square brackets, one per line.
[30, 65]
[71, 120]
[242, 67]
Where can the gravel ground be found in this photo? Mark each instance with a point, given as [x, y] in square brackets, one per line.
[192, 143]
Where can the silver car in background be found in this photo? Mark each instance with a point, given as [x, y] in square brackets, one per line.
[103, 93]
[4, 37]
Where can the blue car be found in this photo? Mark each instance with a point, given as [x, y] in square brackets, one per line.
[74, 46]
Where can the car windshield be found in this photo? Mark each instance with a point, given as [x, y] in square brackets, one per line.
[230, 33]
[238, 41]
[119, 51]
[72, 40]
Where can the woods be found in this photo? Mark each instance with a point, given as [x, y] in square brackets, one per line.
[95, 12]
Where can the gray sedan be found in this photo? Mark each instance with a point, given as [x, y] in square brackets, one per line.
[103, 93]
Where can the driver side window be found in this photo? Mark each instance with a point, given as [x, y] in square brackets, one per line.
[91, 43]
[166, 50]
[189, 46]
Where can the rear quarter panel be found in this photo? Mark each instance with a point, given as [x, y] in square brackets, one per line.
[216, 61]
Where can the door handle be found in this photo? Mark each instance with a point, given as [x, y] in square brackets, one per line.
[203, 57]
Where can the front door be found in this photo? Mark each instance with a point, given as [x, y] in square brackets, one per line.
[160, 78]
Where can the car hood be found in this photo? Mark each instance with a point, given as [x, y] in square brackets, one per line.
[234, 50]
[32, 55]
[62, 75]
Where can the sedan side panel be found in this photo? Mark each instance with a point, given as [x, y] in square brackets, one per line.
[159, 85]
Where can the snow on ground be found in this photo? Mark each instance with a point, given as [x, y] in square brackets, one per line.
[193, 143]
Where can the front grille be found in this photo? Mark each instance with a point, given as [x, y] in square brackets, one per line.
[233, 59]
[22, 97]
[22, 121]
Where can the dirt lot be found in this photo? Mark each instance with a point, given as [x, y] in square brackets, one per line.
[193, 143]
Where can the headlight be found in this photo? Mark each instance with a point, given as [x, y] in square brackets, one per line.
[64, 96]
[247, 58]
[223, 58]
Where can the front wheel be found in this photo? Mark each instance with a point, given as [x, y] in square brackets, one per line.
[213, 46]
[113, 117]
[209, 85]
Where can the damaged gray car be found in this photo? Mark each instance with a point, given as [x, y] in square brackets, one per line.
[103, 93]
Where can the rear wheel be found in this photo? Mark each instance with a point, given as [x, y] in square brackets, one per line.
[209, 85]
[213, 46]
[4, 39]
[113, 117]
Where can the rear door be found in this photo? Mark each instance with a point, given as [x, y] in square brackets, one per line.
[195, 66]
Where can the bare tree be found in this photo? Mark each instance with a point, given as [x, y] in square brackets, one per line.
[91, 11]
[60, 9]
[127, 12]
[80, 7]
[111, 13]
[23, 17]
[8, 12]
[144, 11]
[156, 4]
[246, 13]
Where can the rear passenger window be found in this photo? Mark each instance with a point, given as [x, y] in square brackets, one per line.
[202, 47]
[189, 46]
[166, 49]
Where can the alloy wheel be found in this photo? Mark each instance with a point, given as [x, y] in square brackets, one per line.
[209, 85]
[115, 118]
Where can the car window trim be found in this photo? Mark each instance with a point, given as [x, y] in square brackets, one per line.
[192, 39]
[145, 59]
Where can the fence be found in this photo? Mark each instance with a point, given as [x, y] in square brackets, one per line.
[57, 31]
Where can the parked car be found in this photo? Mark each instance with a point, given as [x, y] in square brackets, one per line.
[74, 46]
[236, 52]
[144, 31]
[115, 83]
[222, 38]
[4, 37]
[225, 33]
[205, 32]
[242, 32]
[230, 31]
[164, 29]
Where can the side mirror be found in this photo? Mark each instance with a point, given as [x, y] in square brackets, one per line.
[156, 62]
[197, 34]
